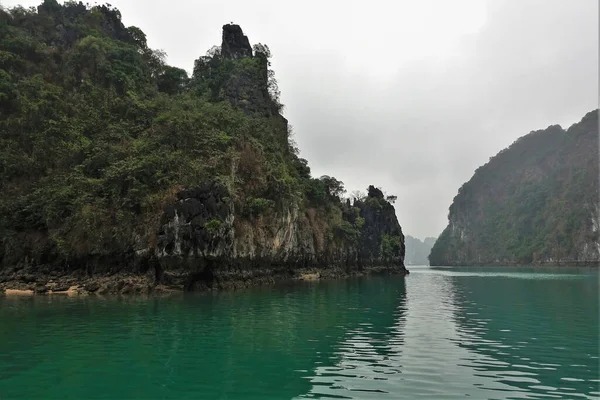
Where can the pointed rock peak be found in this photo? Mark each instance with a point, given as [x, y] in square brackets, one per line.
[235, 44]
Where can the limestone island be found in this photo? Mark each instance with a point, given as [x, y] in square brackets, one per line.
[122, 174]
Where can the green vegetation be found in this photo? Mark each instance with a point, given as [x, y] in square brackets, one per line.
[533, 202]
[390, 245]
[99, 134]
[213, 225]
[258, 206]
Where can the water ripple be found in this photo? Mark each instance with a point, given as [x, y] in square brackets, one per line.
[438, 334]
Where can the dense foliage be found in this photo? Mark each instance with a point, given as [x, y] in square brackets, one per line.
[99, 134]
[534, 202]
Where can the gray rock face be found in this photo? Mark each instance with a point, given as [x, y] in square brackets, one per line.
[203, 243]
[235, 44]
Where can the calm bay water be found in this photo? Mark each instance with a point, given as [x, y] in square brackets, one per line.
[487, 333]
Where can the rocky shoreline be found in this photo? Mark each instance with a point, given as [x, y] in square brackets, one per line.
[48, 281]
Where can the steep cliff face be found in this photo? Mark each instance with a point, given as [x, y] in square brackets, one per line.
[204, 242]
[121, 173]
[235, 44]
[533, 203]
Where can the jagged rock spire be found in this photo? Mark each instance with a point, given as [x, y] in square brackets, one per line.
[235, 44]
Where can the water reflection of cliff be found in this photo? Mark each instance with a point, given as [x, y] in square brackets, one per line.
[255, 344]
[531, 332]
[439, 334]
[309, 327]
[366, 359]
[458, 334]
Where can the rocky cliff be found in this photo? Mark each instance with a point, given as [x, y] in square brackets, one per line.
[535, 202]
[205, 242]
[122, 174]
[235, 44]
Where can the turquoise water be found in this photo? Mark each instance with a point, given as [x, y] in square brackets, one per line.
[484, 333]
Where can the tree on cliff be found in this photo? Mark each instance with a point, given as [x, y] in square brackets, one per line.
[99, 135]
[263, 51]
[333, 187]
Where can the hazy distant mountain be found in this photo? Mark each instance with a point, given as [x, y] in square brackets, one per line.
[417, 251]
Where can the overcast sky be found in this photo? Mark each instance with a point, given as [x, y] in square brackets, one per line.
[412, 95]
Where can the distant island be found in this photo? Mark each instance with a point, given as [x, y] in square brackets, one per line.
[122, 174]
[534, 203]
[417, 251]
